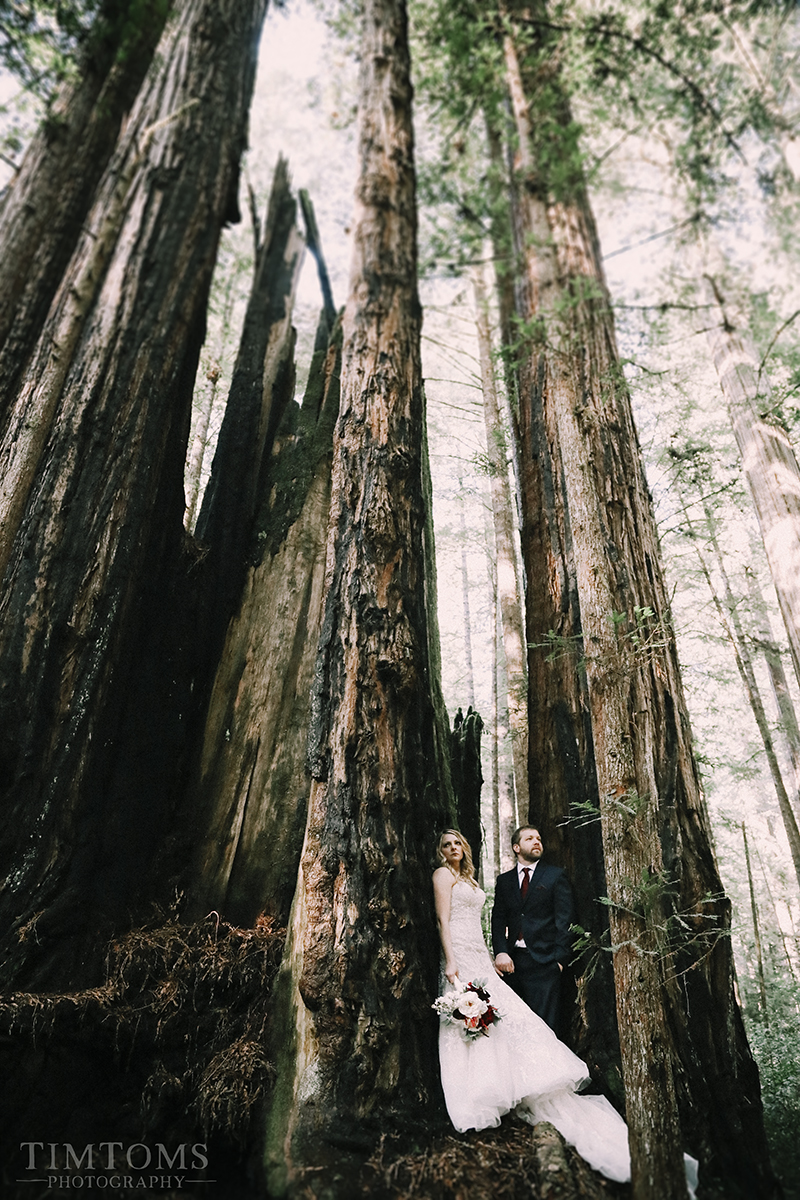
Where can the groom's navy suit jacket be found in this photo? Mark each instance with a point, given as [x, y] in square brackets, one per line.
[544, 918]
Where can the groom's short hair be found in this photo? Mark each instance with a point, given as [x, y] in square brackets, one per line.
[517, 832]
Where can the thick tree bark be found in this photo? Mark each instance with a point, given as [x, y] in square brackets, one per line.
[768, 458]
[261, 386]
[264, 519]
[508, 589]
[358, 1055]
[598, 554]
[253, 787]
[93, 502]
[48, 200]
[564, 800]
[467, 777]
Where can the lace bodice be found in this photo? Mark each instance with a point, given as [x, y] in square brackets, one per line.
[466, 932]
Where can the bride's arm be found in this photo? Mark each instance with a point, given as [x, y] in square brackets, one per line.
[442, 891]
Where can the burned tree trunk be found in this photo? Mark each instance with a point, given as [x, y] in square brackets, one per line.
[264, 523]
[603, 587]
[253, 786]
[358, 1055]
[261, 387]
[467, 777]
[91, 714]
[49, 198]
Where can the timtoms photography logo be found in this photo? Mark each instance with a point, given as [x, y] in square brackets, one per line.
[113, 1166]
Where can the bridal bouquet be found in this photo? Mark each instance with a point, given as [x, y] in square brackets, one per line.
[470, 1006]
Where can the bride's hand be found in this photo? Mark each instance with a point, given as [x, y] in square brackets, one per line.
[451, 971]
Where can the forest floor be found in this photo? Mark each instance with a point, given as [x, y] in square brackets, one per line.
[509, 1163]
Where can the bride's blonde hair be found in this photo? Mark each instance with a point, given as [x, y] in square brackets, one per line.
[466, 866]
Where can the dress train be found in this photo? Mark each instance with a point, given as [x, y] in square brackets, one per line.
[520, 1065]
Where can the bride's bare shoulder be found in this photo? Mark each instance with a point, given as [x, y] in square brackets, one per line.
[443, 875]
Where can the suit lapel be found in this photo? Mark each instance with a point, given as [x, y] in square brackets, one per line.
[537, 879]
[512, 885]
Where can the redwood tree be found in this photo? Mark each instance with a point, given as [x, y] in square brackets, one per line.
[769, 460]
[508, 590]
[250, 789]
[357, 1047]
[48, 199]
[93, 642]
[609, 706]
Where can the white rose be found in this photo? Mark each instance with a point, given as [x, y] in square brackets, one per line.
[471, 1005]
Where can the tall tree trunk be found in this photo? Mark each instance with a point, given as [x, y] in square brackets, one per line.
[467, 778]
[510, 815]
[93, 502]
[505, 278]
[656, 839]
[762, 990]
[786, 951]
[469, 680]
[264, 520]
[358, 1055]
[494, 726]
[251, 796]
[731, 623]
[259, 394]
[508, 589]
[560, 257]
[48, 200]
[768, 458]
[765, 642]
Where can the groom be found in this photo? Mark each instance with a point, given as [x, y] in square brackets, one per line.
[530, 925]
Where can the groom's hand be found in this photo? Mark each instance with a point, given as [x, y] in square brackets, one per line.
[504, 964]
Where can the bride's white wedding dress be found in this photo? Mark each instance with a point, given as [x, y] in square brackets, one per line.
[520, 1064]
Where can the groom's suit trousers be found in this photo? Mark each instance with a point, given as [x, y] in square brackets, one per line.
[538, 984]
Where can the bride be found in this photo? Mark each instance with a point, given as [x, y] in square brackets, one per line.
[520, 1064]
